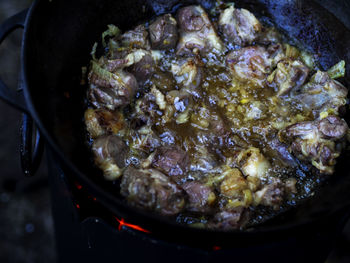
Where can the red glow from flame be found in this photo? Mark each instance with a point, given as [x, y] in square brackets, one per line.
[78, 186]
[136, 227]
[216, 248]
[77, 205]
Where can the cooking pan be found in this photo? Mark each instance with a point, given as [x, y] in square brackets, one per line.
[57, 40]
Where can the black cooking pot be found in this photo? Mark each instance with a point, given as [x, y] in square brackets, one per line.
[57, 40]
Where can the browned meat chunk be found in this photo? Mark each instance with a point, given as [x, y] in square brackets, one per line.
[163, 32]
[239, 26]
[250, 64]
[196, 32]
[111, 90]
[281, 153]
[234, 184]
[172, 161]
[271, 194]
[316, 141]
[289, 74]
[151, 190]
[332, 128]
[137, 38]
[201, 197]
[322, 94]
[110, 153]
[100, 121]
[230, 219]
[144, 69]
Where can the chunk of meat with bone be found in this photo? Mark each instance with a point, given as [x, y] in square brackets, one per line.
[137, 38]
[250, 64]
[289, 74]
[163, 32]
[100, 121]
[271, 194]
[322, 94]
[316, 141]
[110, 90]
[201, 197]
[239, 26]
[196, 32]
[110, 153]
[172, 161]
[150, 189]
[187, 73]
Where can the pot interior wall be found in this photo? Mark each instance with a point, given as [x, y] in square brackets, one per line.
[62, 33]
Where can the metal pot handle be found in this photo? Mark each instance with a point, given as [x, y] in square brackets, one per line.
[30, 158]
[14, 98]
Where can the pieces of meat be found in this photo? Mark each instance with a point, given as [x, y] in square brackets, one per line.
[316, 141]
[251, 64]
[233, 184]
[271, 194]
[110, 90]
[201, 197]
[145, 140]
[281, 153]
[322, 94]
[289, 74]
[196, 32]
[126, 58]
[150, 189]
[137, 38]
[172, 161]
[230, 219]
[144, 69]
[332, 128]
[100, 121]
[253, 163]
[110, 154]
[163, 32]
[239, 26]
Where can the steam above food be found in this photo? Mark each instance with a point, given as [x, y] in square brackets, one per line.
[215, 121]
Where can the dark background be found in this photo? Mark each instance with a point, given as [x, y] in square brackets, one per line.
[26, 225]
